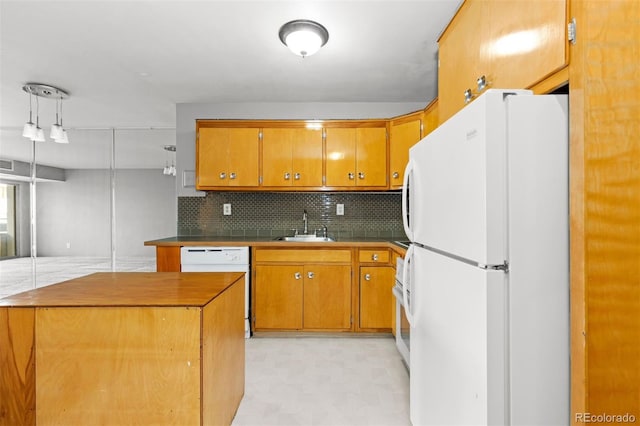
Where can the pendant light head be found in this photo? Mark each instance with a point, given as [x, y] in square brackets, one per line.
[303, 37]
[29, 129]
[33, 131]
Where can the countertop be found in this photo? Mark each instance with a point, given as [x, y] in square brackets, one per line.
[129, 289]
[255, 241]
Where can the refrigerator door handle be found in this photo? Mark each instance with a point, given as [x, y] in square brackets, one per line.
[503, 267]
[405, 285]
[405, 199]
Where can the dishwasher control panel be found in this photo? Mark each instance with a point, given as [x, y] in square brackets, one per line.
[214, 255]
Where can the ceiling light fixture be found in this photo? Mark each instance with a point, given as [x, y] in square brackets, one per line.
[34, 132]
[303, 37]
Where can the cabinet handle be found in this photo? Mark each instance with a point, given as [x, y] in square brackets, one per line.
[223, 175]
[361, 175]
[374, 257]
[232, 175]
[287, 176]
[482, 83]
[296, 176]
[367, 277]
[396, 175]
[310, 275]
[468, 96]
[297, 275]
[351, 176]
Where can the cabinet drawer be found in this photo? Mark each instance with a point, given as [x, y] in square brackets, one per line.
[315, 255]
[374, 256]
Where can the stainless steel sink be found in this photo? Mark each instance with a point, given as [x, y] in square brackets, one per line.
[303, 238]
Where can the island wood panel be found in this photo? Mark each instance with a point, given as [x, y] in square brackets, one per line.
[17, 358]
[121, 365]
[605, 208]
[223, 357]
[327, 297]
[150, 324]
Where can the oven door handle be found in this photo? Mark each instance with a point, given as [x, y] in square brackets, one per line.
[408, 309]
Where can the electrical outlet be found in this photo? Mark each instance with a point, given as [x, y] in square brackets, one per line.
[226, 209]
[340, 209]
[68, 245]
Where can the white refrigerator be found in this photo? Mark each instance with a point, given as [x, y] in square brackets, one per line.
[485, 204]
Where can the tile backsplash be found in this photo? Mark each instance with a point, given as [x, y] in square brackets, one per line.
[266, 214]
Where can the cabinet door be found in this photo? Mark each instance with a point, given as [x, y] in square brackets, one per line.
[371, 156]
[526, 41]
[242, 169]
[292, 157]
[341, 156]
[278, 298]
[376, 297]
[227, 157]
[461, 57]
[403, 136]
[212, 156]
[307, 157]
[277, 156]
[327, 297]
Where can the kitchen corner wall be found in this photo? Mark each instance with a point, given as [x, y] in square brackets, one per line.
[269, 214]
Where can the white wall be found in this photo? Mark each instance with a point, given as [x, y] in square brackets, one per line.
[187, 114]
[78, 212]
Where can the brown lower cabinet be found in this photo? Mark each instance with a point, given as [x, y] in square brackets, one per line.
[302, 290]
[376, 298]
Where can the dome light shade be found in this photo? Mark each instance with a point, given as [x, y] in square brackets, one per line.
[303, 37]
[56, 132]
[29, 130]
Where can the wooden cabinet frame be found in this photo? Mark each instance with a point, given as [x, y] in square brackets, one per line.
[381, 165]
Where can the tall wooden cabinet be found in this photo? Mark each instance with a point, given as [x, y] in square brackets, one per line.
[604, 108]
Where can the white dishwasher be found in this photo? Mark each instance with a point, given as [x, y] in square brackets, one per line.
[220, 259]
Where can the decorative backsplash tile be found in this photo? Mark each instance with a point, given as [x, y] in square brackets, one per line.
[266, 214]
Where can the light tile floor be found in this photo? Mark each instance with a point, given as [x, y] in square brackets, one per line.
[324, 381]
[299, 380]
[16, 274]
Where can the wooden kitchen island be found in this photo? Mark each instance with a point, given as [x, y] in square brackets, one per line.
[124, 348]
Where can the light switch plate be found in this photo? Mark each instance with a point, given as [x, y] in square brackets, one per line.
[340, 209]
[226, 209]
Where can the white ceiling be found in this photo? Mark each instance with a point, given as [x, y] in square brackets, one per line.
[127, 64]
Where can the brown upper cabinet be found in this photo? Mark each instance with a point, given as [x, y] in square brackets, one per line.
[405, 131]
[292, 157]
[254, 155]
[356, 157]
[513, 44]
[227, 157]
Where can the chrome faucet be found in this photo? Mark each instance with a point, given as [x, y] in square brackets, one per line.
[305, 223]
